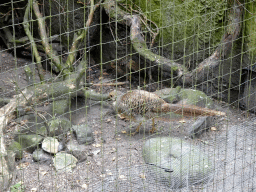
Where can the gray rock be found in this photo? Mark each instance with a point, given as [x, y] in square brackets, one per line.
[83, 134]
[64, 162]
[50, 145]
[61, 106]
[8, 173]
[248, 87]
[195, 97]
[57, 127]
[201, 125]
[170, 95]
[35, 125]
[20, 111]
[176, 163]
[29, 142]
[40, 156]
[61, 146]
[4, 101]
[79, 151]
[17, 149]
[185, 96]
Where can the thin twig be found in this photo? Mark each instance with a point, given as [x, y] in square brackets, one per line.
[38, 114]
[73, 48]
[112, 84]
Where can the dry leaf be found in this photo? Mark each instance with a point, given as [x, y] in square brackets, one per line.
[100, 78]
[24, 122]
[43, 172]
[124, 132]
[13, 123]
[22, 165]
[122, 177]
[45, 95]
[96, 132]
[118, 139]
[108, 120]
[46, 103]
[96, 145]
[213, 128]
[142, 176]
[121, 116]
[105, 73]
[96, 152]
[85, 186]
[182, 121]
[88, 163]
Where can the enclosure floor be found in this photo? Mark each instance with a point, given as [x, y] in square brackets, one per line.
[114, 162]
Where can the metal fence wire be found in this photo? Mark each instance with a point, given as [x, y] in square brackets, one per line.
[127, 95]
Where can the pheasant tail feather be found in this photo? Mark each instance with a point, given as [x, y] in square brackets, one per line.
[190, 110]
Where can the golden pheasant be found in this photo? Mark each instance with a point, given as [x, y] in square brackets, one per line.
[137, 105]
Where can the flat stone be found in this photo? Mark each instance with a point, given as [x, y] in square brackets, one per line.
[17, 149]
[201, 125]
[61, 106]
[57, 127]
[64, 162]
[83, 134]
[50, 145]
[79, 151]
[176, 163]
[40, 156]
[185, 96]
[29, 142]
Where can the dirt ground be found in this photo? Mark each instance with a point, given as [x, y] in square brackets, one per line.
[114, 154]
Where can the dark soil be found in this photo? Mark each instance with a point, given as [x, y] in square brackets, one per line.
[114, 152]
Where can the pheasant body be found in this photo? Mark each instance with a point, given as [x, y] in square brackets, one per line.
[138, 105]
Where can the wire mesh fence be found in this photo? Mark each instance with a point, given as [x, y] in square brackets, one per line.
[127, 95]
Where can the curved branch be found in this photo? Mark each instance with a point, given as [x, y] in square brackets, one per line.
[33, 44]
[224, 48]
[167, 65]
[48, 49]
[138, 41]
